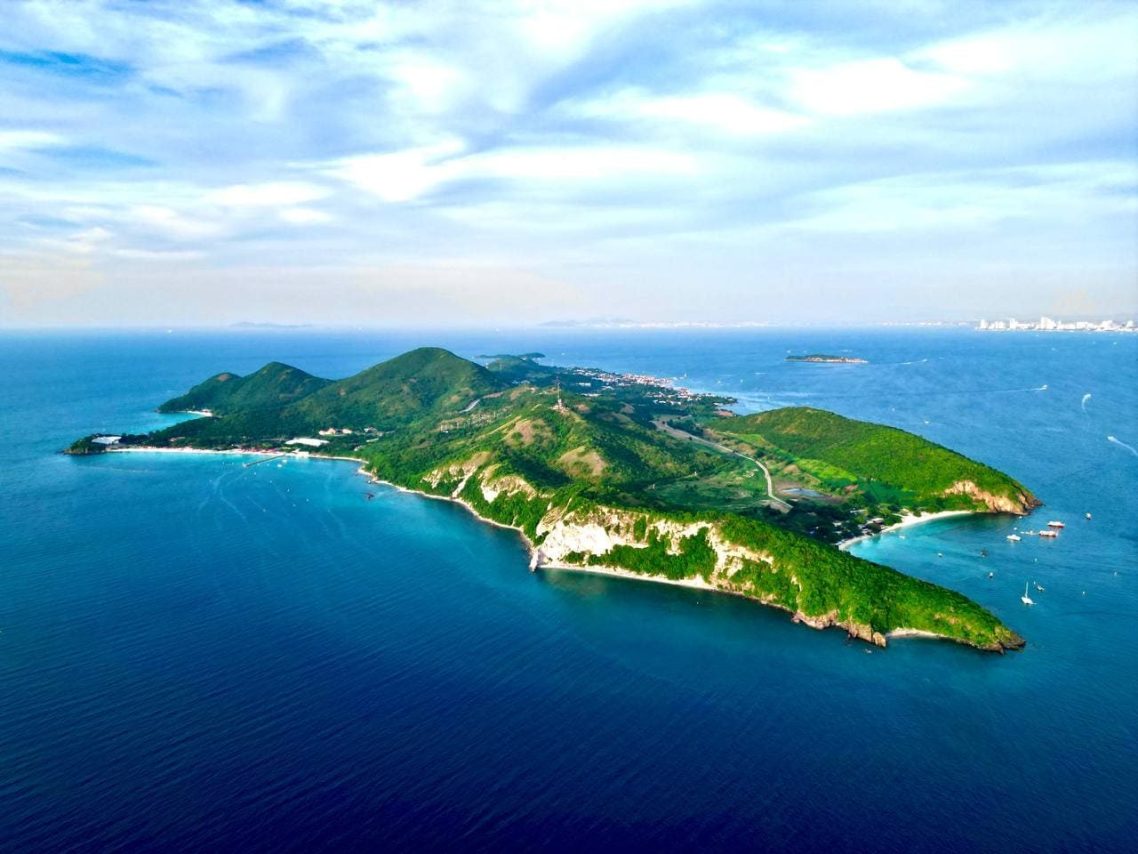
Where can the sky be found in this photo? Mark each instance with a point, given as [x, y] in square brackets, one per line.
[333, 162]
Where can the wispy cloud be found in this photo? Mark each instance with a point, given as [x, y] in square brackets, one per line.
[651, 155]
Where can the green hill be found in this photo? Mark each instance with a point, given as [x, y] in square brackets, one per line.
[624, 474]
[883, 460]
[422, 383]
[272, 386]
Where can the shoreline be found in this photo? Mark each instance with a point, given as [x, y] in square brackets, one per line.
[914, 633]
[907, 521]
[697, 583]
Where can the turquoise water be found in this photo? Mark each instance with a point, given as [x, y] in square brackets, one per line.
[198, 654]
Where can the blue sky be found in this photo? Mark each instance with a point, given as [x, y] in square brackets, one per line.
[473, 163]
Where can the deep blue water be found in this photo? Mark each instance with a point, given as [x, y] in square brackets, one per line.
[194, 654]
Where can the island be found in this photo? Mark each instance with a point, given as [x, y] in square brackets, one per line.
[628, 475]
[823, 358]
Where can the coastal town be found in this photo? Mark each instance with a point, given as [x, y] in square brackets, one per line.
[1048, 324]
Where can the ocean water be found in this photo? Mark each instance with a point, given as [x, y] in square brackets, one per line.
[199, 655]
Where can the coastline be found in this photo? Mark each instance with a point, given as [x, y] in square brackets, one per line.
[907, 521]
[914, 633]
[697, 583]
[146, 449]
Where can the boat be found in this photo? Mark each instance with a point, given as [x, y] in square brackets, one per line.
[1088, 516]
[1025, 598]
[1014, 538]
[1056, 525]
[1048, 534]
[1039, 587]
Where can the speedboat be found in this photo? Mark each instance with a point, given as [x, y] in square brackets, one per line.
[1056, 525]
[1014, 538]
[1048, 534]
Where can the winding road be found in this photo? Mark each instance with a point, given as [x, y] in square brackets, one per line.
[723, 449]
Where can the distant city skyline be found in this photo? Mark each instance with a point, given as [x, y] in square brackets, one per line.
[173, 164]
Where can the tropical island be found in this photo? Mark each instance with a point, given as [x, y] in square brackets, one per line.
[823, 358]
[628, 475]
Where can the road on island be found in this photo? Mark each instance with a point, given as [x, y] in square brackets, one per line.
[723, 449]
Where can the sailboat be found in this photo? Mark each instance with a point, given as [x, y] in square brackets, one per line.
[1027, 600]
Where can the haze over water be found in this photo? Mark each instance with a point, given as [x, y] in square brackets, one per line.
[198, 654]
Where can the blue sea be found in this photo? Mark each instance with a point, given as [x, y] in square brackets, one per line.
[199, 655]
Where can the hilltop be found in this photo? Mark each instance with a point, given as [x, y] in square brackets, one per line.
[628, 474]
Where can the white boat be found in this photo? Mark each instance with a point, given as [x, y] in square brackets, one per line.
[1025, 598]
[1014, 538]
[1056, 525]
[1088, 516]
[1048, 534]
[1039, 587]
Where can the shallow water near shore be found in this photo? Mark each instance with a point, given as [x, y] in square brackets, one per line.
[196, 653]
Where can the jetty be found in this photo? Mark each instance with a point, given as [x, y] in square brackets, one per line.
[265, 460]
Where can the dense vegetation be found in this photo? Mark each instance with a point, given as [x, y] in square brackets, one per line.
[272, 387]
[693, 557]
[890, 464]
[537, 447]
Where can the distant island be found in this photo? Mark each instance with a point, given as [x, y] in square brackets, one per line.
[822, 357]
[628, 475]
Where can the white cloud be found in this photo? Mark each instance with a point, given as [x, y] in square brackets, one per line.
[871, 86]
[305, 216]
[701, 112]
[570, 129]
[405, 176]
[271, 194]
[399, 176]
[1071, 194]
[23, 140]
[172, 223]
[1066, 52]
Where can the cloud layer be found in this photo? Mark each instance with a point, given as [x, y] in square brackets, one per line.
[343, 162]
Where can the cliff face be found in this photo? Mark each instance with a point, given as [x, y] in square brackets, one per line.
[1021, 504]
[703, 553]
[597, 532]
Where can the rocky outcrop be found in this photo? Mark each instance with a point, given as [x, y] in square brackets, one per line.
[830, 620]
[1021, 504]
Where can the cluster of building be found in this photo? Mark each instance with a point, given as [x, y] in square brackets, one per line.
[1047, 324]
[609, 380]
[602, 381]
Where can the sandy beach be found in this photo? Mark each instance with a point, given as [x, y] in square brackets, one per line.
[143, 449]
[907, 521]
[696, 583]
[913, 633]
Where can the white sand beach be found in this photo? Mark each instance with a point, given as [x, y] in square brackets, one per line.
[907, 521]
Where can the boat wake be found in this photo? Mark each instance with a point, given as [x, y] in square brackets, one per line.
[1122, 444]
[1086, 397]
